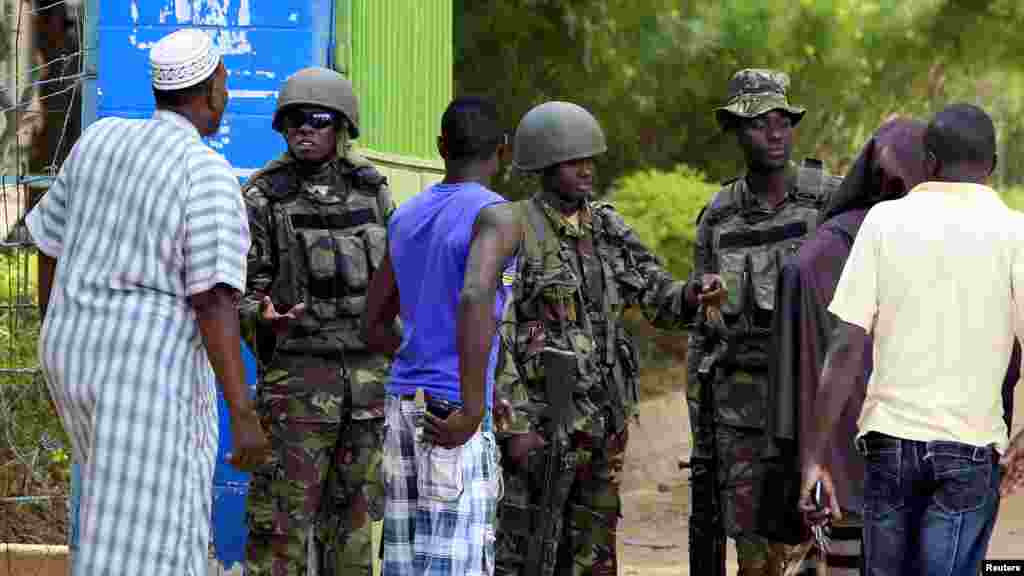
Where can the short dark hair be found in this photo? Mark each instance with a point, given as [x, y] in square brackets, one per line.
[959, 134]
[179, 98]
[471, 129]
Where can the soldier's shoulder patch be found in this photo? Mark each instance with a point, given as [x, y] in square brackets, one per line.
[508, 276]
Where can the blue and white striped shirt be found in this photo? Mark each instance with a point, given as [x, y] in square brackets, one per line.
[142, 216]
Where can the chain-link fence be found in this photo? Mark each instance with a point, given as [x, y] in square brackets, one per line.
[42, 57]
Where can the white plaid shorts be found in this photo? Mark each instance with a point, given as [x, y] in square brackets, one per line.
[440, 504]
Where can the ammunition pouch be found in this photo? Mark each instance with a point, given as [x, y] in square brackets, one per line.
[338, 265]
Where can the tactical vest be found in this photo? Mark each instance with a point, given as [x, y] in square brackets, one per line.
[749, 244]
[557, 308]
[330, 238]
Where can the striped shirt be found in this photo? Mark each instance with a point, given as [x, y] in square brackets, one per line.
[141, 216]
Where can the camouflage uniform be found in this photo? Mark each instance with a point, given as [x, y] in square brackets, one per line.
[744, 241]
[316, 238]
[572, 284]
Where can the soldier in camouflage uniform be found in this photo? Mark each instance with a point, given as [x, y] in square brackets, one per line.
[579, 267]
[743, 234]
[318, 221]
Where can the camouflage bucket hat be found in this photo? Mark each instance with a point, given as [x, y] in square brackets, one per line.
[755, 91]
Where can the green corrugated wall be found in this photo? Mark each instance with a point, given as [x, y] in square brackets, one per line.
[398, 54]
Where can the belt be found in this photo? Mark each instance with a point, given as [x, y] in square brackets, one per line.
[487, 425]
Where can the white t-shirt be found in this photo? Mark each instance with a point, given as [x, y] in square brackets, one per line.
[936, 277]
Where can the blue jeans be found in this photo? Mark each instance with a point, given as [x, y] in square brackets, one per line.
[929, 507]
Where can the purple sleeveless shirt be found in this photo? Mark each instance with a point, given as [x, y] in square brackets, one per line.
[429, 237]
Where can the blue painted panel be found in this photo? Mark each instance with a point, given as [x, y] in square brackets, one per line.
[230, 531]
[256, 70]
[241, 13]
[263, 42]
[248, 142]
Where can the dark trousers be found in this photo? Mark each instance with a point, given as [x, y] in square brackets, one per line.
[929, 507]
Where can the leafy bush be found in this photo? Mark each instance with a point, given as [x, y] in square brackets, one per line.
[662, 207]
[1014, 197]
[31, 435]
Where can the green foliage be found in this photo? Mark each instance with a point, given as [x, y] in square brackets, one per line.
[1014, 197]
[26, 416]
[5, 31]
[662, 207]
[18, 272]
[653, 70]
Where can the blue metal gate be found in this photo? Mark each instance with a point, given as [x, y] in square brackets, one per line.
[263, 41]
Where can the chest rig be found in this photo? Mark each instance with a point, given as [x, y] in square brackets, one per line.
[567, 298]
[330, 236]
[750, 242]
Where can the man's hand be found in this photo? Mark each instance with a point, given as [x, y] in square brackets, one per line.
[1013, 461]
[711, 291]
[455, 431]
[813, 472]
[502, 412]
[279, 323]
[250, 448]
[520, 446]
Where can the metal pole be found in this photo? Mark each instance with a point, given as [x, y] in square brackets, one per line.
[90, 47]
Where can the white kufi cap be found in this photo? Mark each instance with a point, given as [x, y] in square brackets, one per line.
[182, 59]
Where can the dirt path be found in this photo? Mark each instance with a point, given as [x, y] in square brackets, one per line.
[655, 492]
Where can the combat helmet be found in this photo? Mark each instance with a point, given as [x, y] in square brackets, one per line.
[320, 87]
[556, 132]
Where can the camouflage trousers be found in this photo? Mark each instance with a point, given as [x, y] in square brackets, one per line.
[735, 482]
[586, 491]
[317, 495]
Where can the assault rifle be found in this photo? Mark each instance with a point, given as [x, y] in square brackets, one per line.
[559, 379]
[712, 325]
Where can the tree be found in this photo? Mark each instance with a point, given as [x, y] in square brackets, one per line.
[653, 70]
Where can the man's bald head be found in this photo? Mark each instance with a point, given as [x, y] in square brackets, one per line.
[961, 143]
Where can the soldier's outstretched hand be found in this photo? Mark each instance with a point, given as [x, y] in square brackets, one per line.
[713, 291]
[280, 322]
[1013, 462]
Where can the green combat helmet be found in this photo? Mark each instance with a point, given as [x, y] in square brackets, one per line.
[756, 91]
[556, 132]
[320, 87]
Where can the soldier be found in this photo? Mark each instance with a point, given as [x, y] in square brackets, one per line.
[570, 376]
[743, 233]
[318, 217]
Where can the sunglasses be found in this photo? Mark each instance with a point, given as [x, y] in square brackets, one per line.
[316, 119]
